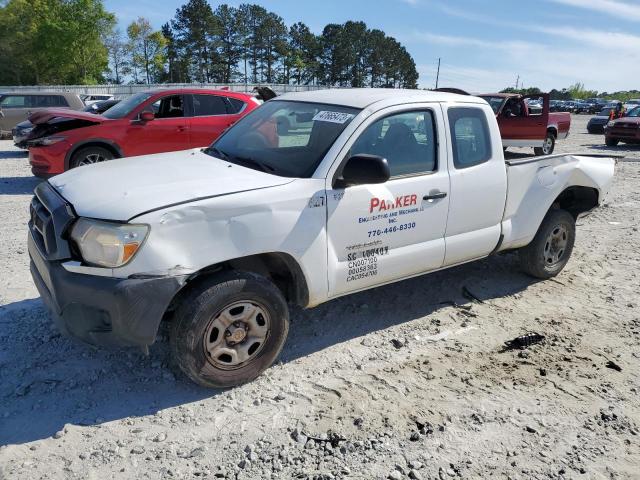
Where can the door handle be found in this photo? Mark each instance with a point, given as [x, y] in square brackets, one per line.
[182, 129]
[434, 196]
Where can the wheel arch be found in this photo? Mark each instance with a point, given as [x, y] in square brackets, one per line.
[576, 200]
[92, 142]
[279, 267]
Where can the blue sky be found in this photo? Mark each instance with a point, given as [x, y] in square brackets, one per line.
[484, 45]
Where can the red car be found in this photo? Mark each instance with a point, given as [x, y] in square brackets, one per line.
[624, 129]
[145, 123]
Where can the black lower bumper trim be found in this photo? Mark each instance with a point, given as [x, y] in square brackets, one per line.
[103, 310]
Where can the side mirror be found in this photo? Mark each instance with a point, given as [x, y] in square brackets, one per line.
[147, 116]
[363, 169]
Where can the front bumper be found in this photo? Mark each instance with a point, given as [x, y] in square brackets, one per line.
[596, 127]
[47, 161]
[624, 134]
[100, 310]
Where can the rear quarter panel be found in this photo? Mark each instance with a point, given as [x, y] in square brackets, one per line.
[561, 121]
[535, 185]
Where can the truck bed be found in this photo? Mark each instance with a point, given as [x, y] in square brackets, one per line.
[536, 182]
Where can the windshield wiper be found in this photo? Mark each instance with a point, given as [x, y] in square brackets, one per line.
[216, 153]
[256, 163]
[250, 162]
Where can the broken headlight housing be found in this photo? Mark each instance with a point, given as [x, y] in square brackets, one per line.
[107, 244]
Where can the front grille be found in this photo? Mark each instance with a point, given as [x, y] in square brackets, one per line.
[624, 132]
[40, 218]
[50, 218]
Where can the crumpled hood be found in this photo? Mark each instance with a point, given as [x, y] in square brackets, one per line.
[44, 116]
[127, 187]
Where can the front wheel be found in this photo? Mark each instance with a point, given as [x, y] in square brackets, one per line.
[230, 329]
[89, 156]
[550, 249]
[611, 142]
[547, 146]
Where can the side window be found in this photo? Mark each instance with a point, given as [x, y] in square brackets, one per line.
[47, 101]
[236, 105]
[14, 101]
[169, 107]
[407, 140]
[470, 136]
[204, 105]
[60, 101]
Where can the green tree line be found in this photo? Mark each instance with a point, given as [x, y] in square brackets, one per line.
[77, 42]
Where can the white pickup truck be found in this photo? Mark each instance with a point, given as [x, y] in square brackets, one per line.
[356, 189]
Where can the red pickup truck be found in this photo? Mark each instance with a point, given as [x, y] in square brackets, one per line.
[525, 121]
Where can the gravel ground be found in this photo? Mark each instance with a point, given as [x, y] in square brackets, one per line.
[408, 381]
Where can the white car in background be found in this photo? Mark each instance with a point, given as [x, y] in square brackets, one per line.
[372, 186]
[631, 104]
[97, 97]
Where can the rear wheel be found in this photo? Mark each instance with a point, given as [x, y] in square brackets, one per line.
[89, 156]
[547, 146]
[228, 330]
[611, 142]
[551, 248]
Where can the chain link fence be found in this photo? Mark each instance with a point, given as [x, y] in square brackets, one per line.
[123, 91]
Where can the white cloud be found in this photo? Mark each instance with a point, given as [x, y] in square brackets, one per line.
[616, 8]
[595, 58]
[603, 59]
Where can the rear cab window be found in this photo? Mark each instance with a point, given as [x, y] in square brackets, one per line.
[470, 137]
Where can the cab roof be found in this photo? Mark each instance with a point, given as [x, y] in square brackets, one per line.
[364, 97]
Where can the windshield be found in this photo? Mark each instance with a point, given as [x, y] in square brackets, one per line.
[605, 112]
[125, 107]
[634, 112]
[495, 102]
[284, 138]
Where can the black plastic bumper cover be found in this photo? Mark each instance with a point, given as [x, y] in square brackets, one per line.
[103, 310]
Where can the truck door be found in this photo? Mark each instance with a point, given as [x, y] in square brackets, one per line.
[380, 233]
[520, 126]
[478, 183]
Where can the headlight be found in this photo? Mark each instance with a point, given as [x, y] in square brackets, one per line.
[107, 244]
[45, 141]
[25, 131]
[611, 123]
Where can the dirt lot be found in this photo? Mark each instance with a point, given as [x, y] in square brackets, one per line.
[394, 383]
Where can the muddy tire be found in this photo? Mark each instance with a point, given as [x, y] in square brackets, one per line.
[89, 156]
[611, 142]
[547, 147]
[550, 249]
[229, 329]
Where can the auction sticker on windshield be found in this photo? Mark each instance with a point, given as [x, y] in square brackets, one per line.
[333, 117]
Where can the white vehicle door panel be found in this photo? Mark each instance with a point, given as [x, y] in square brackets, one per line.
[477, 196]
[380, 233]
